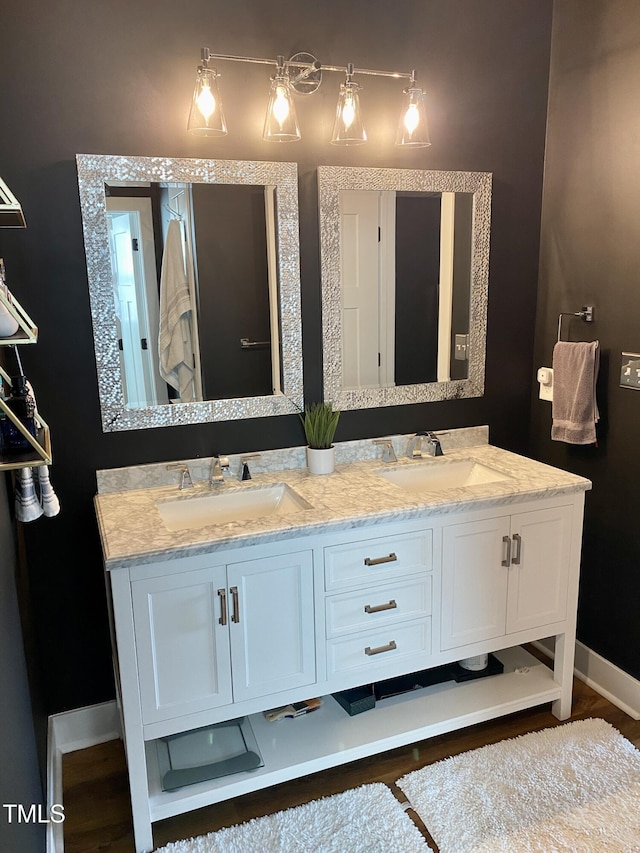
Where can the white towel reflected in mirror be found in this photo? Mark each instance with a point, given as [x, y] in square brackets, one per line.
[174, 337]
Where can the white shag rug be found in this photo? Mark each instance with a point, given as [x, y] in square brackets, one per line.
[362, 820]
[574, 788]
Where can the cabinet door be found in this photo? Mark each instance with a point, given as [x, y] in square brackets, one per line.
[182, 647]
[541, 542]
[271, 624]
[474, 582]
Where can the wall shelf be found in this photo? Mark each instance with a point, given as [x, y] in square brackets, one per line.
[27, 332]
[40, 452]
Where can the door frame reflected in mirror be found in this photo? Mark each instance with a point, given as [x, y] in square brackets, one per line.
[93, 172]
[334, 180]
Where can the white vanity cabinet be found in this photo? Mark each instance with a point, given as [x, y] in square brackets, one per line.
[504, 574]
[234, 631]
[221, 634]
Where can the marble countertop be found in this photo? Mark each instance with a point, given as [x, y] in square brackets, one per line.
[132, 530]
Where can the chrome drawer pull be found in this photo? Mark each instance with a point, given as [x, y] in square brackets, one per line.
[378, 607]
[517, 539]
[388, 648]
[235, 616]
[507, 558]
[223, 606]
[391, 558]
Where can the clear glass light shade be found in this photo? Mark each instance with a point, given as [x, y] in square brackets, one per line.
[348, 128]
[413, 130]
[281, 122]
[206, 117]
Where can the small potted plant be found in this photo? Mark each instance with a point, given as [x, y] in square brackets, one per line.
[320, 421]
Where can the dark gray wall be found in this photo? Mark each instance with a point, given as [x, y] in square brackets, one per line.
[590, 254]
[115, 77]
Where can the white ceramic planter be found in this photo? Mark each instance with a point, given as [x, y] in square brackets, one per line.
[321, 461]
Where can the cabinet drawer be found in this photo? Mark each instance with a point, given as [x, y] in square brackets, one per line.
[381, 605]
[378, 649]
[359, 563]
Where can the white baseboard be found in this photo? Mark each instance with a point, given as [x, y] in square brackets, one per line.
[69, 731]
[607, 679]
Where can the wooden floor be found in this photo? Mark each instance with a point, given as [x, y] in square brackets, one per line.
[98, 812]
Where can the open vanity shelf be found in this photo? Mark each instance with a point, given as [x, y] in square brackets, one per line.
[329, 736]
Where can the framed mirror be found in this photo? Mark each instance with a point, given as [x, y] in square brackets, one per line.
[405, 271]
[194, 282]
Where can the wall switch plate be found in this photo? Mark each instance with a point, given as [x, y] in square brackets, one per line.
[545, 378]
[630, 370]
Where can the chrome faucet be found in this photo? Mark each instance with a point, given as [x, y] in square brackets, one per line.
[388, 453]
[243, 471]
[415, 447]
[219, 464]
[434, 447]
[185, 477]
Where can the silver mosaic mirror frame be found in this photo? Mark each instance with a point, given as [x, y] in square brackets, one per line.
[93, 171]
[333, 179]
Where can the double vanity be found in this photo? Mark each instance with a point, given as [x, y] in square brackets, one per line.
[229, 598]
[233, 599]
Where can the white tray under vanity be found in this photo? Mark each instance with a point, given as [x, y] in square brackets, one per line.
[490, 567]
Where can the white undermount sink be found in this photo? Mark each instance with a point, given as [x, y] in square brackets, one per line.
[241, 504]
[440, 474]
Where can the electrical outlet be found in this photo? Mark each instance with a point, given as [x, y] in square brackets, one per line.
[545, 378]
[630, 370]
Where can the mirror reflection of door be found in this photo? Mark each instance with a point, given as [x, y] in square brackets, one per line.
[417, 287]
[233, 290]
[362, 279]
[405, 284]
[136, 297]
[228, 249]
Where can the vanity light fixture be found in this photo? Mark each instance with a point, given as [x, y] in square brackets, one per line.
[302, 75]
[281, 122]
[413, 130]
[206, 117]
[348, 128]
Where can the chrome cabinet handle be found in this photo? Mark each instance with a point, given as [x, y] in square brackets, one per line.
[377, 608]
[517, 540]
[223, 606]
[235, 616]
[507, 558]
[377, 561]
[388, 648]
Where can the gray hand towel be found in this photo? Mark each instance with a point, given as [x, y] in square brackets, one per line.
[575, 409]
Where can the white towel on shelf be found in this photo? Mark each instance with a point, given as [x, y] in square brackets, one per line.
[174, 337]
[575, 408]
[28, 507]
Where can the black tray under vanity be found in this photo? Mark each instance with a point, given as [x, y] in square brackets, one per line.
[437, 675]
